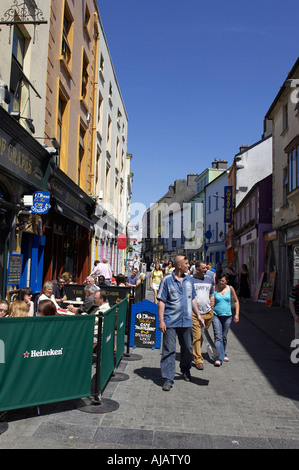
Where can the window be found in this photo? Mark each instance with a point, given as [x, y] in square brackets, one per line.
[84, 77]
[285, 186]
[285, 123]
[16, 76]
[65, 47]
[293, 169]
[81, 154]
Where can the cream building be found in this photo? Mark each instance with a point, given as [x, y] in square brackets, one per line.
[65, 93]
[284, 114]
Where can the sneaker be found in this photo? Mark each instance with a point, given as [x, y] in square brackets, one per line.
[199, 366]
[226, 359]
[166, 387]
[217, 363]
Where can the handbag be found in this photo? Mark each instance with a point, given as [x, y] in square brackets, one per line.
[232, 300]
[212, 351]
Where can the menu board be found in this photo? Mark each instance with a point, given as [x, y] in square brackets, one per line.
[14, 270]
[144, 331]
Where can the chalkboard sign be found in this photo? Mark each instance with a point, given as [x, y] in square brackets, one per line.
[14, 270]
[144, 332]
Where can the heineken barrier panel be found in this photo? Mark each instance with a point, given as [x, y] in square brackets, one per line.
[120, 329]
[45, 359]
[107, 346]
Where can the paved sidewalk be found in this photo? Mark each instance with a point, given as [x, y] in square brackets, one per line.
[250, 402]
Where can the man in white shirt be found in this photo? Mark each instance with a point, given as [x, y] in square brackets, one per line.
[204, 289]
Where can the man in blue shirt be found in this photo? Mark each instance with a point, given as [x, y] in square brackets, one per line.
[176, 302]
[131, 280]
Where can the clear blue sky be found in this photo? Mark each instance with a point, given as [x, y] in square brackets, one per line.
[197, 79]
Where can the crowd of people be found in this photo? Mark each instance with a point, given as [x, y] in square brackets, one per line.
[195, 296]
[52, 300]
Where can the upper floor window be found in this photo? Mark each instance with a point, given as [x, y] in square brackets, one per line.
[16, 76]
[293, 168]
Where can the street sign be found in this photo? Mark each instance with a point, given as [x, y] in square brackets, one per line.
[41, 202]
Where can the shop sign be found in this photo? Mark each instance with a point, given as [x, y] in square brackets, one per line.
[293, 234]
[41, 202]
[228, 203]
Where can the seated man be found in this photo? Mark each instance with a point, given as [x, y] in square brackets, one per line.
[88, 305]
[58, 291]
[131, 280]
[100, 301]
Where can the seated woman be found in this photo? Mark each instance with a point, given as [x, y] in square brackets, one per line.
[120, 280]
[48, 294]
[18, 308]
[4, 307]
[25, 294]
[46, 308]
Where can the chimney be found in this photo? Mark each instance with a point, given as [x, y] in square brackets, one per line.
[219, 164]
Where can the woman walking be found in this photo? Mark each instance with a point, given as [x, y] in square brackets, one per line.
[223, 316]
[156, 278]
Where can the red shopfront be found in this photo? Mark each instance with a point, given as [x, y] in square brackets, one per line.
[68, 229]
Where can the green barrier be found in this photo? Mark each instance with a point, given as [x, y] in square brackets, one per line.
[45, 360]
[120, 330]
[107, 345]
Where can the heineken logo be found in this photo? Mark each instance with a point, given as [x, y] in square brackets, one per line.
[43, 353]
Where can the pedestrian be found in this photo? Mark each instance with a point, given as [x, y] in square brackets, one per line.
[25, 294]
[155, 280]
[176, 301]
[18, 308]
[244, 289]
[231, 272]
[102, 269]
[170, 268]
[4, 307]
[204, 288]
[294, 307]
[223, 316]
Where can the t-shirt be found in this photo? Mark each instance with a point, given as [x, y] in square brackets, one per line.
[157, 276]
[204, 288]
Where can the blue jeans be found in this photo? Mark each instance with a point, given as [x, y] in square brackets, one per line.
[169, 350]
[221, 325]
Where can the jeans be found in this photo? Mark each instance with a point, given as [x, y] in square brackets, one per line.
[221, 326]
[169, 352]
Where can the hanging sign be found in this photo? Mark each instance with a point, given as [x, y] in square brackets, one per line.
[228, 203]
[121, 242]
[41, 202]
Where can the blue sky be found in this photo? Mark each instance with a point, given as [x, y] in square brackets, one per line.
[197, 79]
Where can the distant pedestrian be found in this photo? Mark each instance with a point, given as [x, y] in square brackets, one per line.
[232, 274]
[155, 280]
[244, 289]
[223, 316]
[204, 288]
[176, 301]
[294, 307]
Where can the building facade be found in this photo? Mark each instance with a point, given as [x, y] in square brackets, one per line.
[65, 128]
[284, 115]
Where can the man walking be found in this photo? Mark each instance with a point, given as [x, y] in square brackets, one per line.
[204, 289]
[176, 300]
